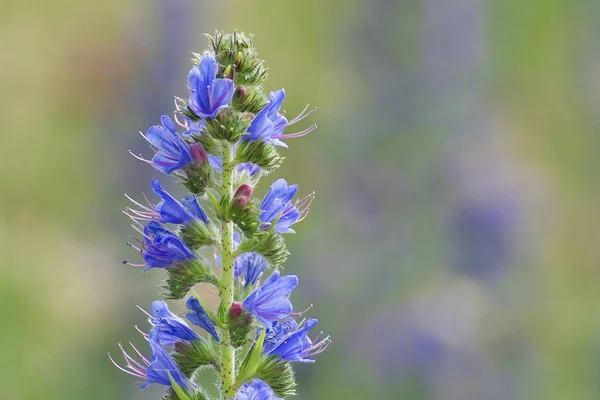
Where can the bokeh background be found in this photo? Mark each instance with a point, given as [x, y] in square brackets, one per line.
[453, 249]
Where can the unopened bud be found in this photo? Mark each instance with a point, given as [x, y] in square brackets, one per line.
[236, 310]
[244, 190]
[199, 155]
[241, 197]
[241, 91]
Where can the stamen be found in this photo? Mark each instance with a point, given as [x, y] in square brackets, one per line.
[134, 219]
[302, 115]
[131, 363]
[140, 232]
[148, 201]
[144, 334]
[138, 375]
[145, 312]
[297, 134]
[135, 247]
[139, 157]
[318, 347]
[138, 204]
[299, 313]
[135, 265]
[144, 359]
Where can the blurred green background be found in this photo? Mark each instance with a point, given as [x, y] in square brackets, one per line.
[452, 251]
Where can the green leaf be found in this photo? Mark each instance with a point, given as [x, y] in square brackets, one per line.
[251, 362]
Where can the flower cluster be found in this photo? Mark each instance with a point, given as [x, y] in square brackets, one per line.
[220, 142]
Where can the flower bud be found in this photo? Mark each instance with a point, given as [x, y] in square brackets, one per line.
[240, 323]
[244, 190]
[241, 198]
[240, 92]
[235, 310]
[199, 155]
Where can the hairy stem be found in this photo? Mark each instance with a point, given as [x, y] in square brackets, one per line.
[226, 286]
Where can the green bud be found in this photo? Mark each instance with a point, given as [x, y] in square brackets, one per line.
[236, 49]
[239, 323]
[211, 145]
[196, 354]
[196, 177]
[248, 100]
[228, 125]
[263, 154]
[242, 210]
[197, 234]
[278, 374]
[184, 275]
[268, 244]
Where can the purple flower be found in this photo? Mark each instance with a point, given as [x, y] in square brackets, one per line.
[191, 202]
[172, 152]
[255, 390]
[251, 266]
[162, 248]
[157, 370]
[269, 302]
[269, 124]
[207, 94]
[291, 343]
[277, 205]
[169, 210]
[200, 318]
[169, 328]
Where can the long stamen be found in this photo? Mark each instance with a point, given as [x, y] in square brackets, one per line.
[148, 201]
[140, 205]
[144, 334]
[302, 115]
[139, 157]
[133, 218]
[303, 206]
[131, 363]
[134, 246]
[318, 347]
[144, 359]
[297, 134]
[135, 265]
[138, 375]
[145, 312]
[141, 232]
[299, 313]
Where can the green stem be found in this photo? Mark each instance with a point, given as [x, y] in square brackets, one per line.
[226, 286]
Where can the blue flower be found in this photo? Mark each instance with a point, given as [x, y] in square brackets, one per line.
[161, 366]
[269, 302]
[156, 370]
[255, 390]
[269, 124]
[163, 247]
[169, 328]
[172, 152]
[170, 210]
[207, 94]
[192, 127]
[277, 203]
[199, 317]
[291, 343]
[191, 202]
[251, 266]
